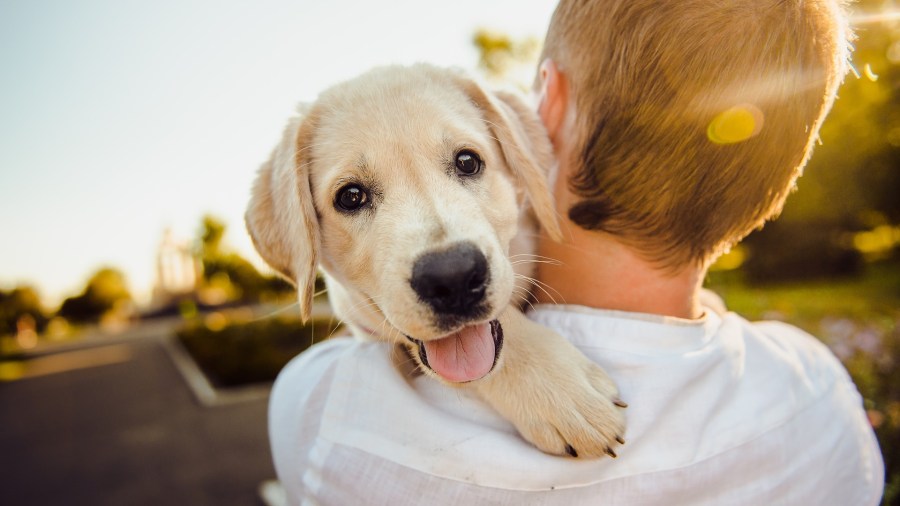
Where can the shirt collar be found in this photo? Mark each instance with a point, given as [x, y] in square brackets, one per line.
[639, 333]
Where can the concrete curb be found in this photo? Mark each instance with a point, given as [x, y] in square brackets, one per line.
[204, 392]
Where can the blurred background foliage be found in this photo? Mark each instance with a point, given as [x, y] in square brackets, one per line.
[224, 279]
[106, 291]
[21, 303]
[846, 211]
[245, 350]
[506, 60]
[228, 277]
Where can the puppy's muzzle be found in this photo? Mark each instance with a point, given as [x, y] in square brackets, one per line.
[453, 282]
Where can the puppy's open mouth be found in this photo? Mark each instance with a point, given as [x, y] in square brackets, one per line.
[465, 355]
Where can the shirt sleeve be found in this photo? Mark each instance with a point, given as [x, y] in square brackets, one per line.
[295, 408]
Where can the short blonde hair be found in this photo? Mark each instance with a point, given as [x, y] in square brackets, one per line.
[693, 117]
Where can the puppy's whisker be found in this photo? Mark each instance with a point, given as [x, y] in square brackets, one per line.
[356, 308]
[536, 257]
[543, 287]
[308, 147]
[520, 300]
[527, 302]
[524, 259]
[387, 330]
[362, 305]
[522, 297]
[496, 126]
[520, 291]
[548, 262]
[276, 312]
[339, 324]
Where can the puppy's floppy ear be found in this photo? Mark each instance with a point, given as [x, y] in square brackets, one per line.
[525, 145]
[281, 218]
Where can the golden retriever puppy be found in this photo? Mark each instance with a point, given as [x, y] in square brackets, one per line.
[412, 188]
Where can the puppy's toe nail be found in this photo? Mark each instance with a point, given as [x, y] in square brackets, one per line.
[611, 453]
[571, 451]
[620, 403]
[620, 440]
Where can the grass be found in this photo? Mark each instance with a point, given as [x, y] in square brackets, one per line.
[859, 319]
[873, 298]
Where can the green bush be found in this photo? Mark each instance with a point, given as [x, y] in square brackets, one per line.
[800, 251]
[251, 352]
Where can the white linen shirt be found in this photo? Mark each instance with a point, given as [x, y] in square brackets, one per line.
[721, 411]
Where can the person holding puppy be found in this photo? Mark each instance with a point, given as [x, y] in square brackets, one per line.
[679, 127]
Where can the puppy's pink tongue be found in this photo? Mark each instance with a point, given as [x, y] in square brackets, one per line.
[466, 355]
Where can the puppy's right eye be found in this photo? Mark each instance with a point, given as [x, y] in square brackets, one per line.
[468, 163]
[351, 198]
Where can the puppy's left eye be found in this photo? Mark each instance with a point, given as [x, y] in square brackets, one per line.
[351, 198]
[468, 163]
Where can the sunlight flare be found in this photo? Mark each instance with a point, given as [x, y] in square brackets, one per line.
[868, 18]
[736, 124]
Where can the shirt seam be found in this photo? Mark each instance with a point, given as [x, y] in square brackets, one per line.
[628, 315]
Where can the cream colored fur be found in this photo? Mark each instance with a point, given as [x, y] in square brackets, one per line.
[397, 129]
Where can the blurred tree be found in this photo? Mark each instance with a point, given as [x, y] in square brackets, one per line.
[848, 176]
[505, 59]
[21, 301]
[211, 232]
[852, 182]
[228, 275]
[800, 250]
[105, 291]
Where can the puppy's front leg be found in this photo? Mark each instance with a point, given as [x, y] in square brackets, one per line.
[557, 399]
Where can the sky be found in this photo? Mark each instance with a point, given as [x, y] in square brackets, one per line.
[122, 118]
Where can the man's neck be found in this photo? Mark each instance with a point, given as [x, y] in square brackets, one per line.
[592, 269]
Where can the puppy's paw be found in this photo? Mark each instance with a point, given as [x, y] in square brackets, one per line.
[579, 416]
[558, 400]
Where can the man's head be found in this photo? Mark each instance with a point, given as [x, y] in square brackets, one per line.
[686, 122]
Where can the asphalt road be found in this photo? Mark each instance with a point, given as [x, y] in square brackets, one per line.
[117, 425]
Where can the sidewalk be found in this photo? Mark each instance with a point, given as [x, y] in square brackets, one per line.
[127, 430]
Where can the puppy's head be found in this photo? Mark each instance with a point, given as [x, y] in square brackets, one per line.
[405, 185]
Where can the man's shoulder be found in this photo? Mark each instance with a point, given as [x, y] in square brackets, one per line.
[313, 388]
[315, 359]
[843, 435]
[797, 348]
[313, 369]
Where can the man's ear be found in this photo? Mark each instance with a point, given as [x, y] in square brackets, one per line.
[553, 100]
[281, 218]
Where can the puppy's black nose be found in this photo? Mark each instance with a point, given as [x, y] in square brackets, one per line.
[452, 281]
